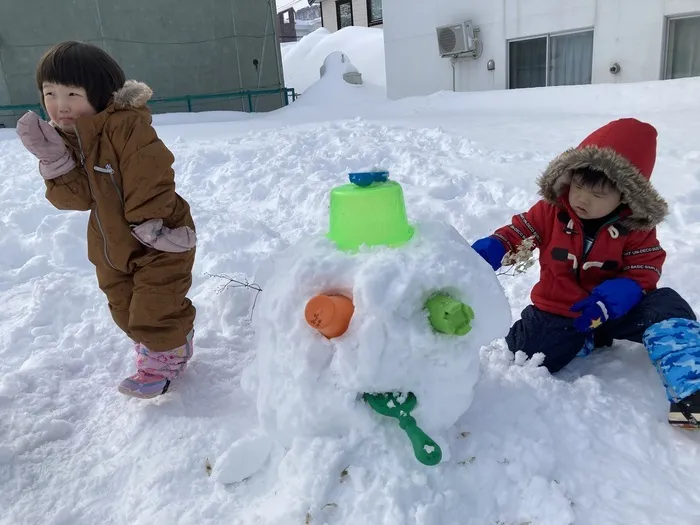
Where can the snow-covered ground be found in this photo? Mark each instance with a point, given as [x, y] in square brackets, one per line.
[589, 446]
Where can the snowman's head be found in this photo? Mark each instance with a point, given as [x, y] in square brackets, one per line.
[308, 383]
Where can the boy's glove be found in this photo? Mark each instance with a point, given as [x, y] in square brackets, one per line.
[44, 142]
[491, 250]
[609, 300]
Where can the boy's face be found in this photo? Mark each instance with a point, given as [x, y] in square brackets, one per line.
[66, 104]
[593, 203]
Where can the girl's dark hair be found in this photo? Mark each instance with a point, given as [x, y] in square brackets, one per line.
[592, 179]
[81, 65]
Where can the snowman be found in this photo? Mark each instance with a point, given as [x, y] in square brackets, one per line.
[376, 324]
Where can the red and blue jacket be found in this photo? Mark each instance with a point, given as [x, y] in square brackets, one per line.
[567, 273]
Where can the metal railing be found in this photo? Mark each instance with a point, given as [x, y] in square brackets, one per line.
[247, 96]
[248, 99]
[37, 108]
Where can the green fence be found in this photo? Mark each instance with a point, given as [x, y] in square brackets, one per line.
[248, 101]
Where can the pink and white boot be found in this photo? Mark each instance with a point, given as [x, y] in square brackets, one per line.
[155, 370]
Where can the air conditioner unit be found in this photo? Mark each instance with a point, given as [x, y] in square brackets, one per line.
[456, 39]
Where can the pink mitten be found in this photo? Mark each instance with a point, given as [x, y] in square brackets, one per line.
[152, 233]
[44, 142]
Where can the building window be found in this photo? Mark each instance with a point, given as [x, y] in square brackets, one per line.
[551, 60]
[374, 12]
[683, 47]
[285, 17]
[343, 11]
[527, 63]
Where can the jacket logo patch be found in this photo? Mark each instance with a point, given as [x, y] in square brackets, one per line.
[642, 251]
[516, 230]
[530, 227]
[642, 267]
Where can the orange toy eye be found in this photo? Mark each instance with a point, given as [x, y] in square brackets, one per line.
[329, 314]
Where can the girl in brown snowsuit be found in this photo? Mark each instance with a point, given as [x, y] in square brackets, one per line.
[99, 153]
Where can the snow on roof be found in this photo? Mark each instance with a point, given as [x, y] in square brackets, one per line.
[283, 5]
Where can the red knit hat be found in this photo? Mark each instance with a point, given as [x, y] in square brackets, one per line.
[631, 139]
[625, 150]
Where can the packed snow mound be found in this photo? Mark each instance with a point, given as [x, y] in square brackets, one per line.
[333, 90]
[337, 64]
[363, 45]
[307, 385]
[297, 50]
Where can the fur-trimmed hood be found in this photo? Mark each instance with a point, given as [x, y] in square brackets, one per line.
[127, 103]
[625, 150]
[133, 94]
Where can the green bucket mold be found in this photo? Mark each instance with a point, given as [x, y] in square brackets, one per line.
[370, 211]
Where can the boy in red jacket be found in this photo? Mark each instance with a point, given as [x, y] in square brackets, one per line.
[600, 262]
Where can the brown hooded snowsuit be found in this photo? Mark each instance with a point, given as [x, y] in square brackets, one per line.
[124, 178]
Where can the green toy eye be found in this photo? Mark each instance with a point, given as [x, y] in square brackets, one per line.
[449, 316]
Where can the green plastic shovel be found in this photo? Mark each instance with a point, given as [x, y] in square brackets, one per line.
[388, 404]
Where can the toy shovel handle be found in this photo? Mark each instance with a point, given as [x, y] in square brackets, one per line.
[425, 449]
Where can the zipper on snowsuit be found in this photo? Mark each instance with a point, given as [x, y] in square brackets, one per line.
[110, 171]
[584, 254]
[92, 193]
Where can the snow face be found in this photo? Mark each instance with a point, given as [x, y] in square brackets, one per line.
[309, 386]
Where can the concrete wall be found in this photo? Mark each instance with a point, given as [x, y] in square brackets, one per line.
[178, 47]
[630, 32]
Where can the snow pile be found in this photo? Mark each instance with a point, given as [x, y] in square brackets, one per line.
[363, 45]
[333, 91]
[308, 386]
[338, 64]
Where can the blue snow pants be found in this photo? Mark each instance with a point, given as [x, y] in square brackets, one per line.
[663, 321]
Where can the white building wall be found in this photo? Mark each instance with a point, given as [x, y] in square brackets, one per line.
[629, 32]
[330, 21]
[631, 36]
[359, 12]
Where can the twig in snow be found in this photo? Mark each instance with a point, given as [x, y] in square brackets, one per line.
[234, 283]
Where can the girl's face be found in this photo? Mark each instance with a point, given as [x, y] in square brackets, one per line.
[66, 104]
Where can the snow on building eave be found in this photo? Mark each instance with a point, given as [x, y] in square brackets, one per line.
[284, 5]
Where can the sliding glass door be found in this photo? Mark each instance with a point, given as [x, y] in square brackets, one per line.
[551, 60]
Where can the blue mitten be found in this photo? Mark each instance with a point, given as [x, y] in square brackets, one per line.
[491, 250]
[609, 300]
